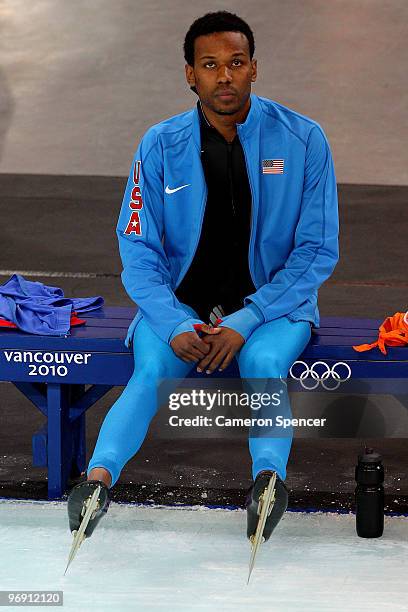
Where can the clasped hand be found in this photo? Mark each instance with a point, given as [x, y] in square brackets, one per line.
[215, 349]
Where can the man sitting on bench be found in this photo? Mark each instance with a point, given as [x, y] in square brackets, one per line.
[232, 204]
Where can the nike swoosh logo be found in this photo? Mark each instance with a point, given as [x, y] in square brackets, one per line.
[168, 190]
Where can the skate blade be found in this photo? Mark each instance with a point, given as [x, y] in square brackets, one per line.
[266, 503]
[91, 505]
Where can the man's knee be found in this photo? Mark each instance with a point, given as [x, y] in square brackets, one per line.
[159, 364]
[265, 362]
[151, 369]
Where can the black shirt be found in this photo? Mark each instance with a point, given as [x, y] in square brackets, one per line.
[219, 273]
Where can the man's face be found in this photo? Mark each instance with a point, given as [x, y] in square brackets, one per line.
[223, 71]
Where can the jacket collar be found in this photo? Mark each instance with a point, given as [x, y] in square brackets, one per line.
[244, 129]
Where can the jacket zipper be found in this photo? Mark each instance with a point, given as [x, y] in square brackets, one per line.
[229, 146]
[203, 206]
[252, 213]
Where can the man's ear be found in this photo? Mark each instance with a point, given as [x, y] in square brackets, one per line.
[190, 77]
[254, 70]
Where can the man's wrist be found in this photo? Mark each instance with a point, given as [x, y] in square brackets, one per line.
[245, 320]
[185, 326]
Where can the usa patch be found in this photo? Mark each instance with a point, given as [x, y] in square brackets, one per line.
[134, 225]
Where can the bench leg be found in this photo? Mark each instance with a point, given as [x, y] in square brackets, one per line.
[78, 435]
[60, 444]
[59, 439]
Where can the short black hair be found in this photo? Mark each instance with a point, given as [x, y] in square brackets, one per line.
[221, 21]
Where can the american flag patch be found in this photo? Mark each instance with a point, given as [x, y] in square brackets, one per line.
[272, 166]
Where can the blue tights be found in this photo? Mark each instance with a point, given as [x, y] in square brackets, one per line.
[268, 353]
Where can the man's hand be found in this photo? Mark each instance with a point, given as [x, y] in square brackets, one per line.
[223, 347]
[189, 347]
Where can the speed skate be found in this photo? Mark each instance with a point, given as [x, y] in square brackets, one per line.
[266, 502]
[88, 502]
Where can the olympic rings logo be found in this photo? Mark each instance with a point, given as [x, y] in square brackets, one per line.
[320, 379]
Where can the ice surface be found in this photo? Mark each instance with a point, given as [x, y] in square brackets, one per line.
[154, 558]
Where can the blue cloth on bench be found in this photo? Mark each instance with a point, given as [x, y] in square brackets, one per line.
[41, 309]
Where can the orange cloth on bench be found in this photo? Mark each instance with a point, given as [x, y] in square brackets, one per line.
[393, 332]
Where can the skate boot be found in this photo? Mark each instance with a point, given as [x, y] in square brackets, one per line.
[254, 502]
[78, 502]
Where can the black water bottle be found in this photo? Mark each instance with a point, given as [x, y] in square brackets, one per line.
[369, 495]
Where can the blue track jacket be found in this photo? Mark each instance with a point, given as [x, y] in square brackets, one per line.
[294, 230]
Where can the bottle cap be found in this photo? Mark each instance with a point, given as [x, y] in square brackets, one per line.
[369, 456]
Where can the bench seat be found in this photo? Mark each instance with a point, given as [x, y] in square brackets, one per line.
[54, 373]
